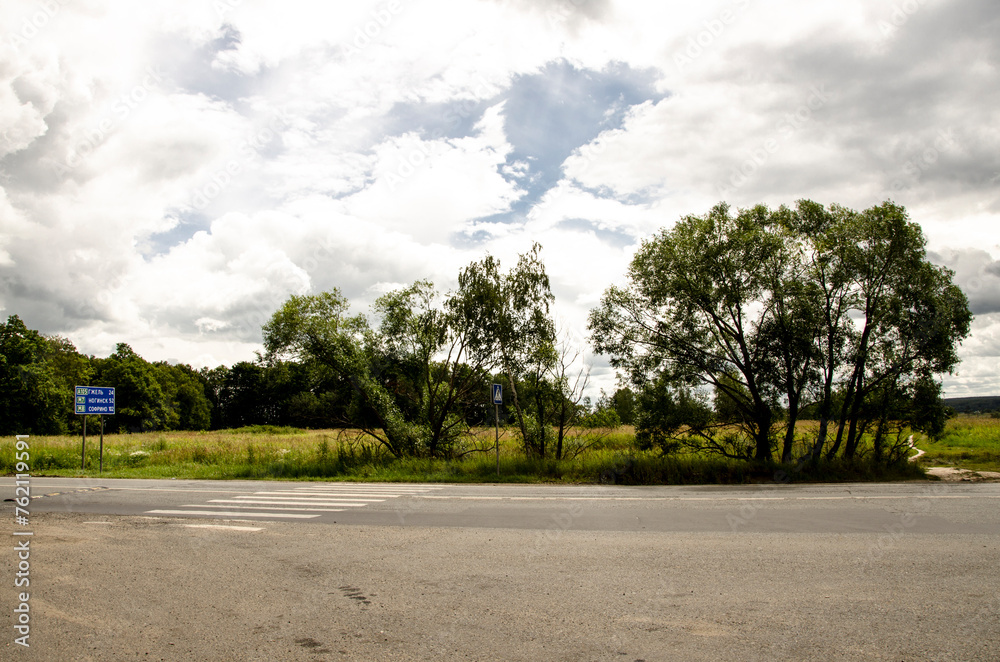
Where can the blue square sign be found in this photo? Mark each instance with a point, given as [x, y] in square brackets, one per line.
[94, 400]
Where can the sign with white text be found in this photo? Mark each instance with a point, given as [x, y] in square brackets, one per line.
[94, 400]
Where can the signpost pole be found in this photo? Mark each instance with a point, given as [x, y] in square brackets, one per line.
[99, 400]
[497, 401]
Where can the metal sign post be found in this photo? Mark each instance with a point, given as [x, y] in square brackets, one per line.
[98, 400]
[497, 401]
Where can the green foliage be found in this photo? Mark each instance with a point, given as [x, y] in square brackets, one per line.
[928, 413]
[669, 415]
[601, 417]
[406, 400]
[414, 331]
[140, 404]
[69, 369]
[39, 375]
[33, 401]
[623, 402]
[692, 309]
[969, 441]
[419, 376]
[506, 322]
[318, 455]
[183, 392]
[771, 309]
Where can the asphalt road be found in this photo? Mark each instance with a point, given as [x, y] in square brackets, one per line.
[126, 570]
[935, 508]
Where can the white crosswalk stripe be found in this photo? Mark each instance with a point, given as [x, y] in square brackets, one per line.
[305, 502]
[218, 513]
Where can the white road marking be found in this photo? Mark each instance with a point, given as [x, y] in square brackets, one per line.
[313, 496]
[223, 527]
[302, 499]
[229, 514]
[288, 502]
[365, 496]
[270, 506]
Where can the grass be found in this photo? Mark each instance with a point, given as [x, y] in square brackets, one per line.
[970, 441]
[261, 452]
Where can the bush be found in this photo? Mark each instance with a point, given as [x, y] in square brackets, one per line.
[601, 418]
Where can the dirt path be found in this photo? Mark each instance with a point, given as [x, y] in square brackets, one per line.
[952, 474]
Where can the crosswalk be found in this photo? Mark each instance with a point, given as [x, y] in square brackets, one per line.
[305, 502]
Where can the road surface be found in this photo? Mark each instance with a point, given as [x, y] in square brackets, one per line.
[187, 570]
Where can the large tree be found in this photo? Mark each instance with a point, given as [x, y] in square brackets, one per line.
[412, 375]
[693, 308]
[889, 317]
[506, 321]
[317, 328]
[777, 309]
[436, 376]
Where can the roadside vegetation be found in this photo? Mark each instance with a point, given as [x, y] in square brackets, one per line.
[595, 456]
[801, 343]
[970, 441]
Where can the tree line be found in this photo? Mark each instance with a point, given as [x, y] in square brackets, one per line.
[731, 328]
[418, 379]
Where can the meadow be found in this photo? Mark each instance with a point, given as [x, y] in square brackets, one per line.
[970, 441]
[593, 456]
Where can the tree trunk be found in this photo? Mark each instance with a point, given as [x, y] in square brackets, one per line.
[786, 451]
[762, 452]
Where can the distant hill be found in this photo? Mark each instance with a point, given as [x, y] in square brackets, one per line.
[970, 405]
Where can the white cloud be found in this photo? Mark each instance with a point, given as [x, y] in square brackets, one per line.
[171, 171]
[981, 364]
[429, 189]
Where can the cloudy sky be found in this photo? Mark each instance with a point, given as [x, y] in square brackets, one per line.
[170, 171]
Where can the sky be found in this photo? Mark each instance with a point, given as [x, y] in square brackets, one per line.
[172, 171]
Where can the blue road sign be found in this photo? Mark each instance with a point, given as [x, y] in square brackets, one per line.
[497, 394]
[95, 400]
